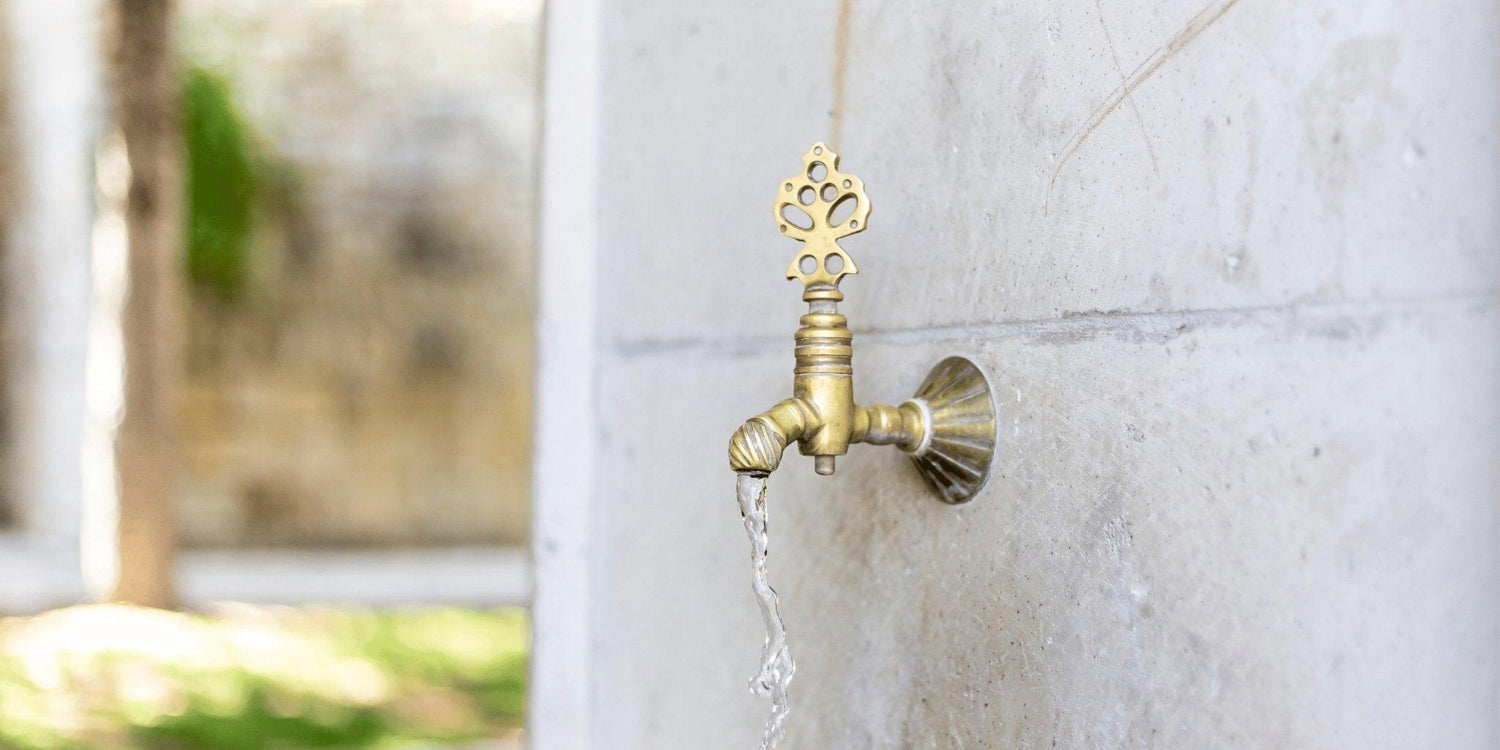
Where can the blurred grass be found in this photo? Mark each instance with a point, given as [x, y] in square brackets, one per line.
[108, 676]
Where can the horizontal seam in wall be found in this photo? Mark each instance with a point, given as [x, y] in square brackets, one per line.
[1080, 323]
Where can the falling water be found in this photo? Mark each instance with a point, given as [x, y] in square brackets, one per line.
[776, 665]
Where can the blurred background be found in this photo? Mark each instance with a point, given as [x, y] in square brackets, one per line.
[266, 269]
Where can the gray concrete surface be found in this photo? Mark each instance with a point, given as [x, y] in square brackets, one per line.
[1233, 268]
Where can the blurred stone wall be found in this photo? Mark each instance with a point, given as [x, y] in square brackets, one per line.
[372, 384]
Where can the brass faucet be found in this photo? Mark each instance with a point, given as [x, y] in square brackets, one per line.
[948, 427]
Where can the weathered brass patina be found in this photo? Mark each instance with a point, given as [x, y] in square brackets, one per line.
[948, 428]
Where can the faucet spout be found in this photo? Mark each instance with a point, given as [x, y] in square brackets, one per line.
[756, 447]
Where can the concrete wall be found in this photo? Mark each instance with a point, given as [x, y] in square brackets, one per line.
[1233, 268]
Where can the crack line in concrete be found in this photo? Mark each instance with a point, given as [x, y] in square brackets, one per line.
[1079, 325]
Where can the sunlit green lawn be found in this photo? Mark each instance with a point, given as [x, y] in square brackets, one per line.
[259, 677]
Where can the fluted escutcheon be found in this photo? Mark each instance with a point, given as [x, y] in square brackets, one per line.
[956, 458]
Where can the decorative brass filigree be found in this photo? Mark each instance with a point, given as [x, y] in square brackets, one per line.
[832, 205]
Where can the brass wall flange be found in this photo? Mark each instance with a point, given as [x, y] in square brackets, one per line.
[959, 451]
[948, 428]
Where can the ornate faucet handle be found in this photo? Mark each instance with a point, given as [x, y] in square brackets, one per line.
[818, 207]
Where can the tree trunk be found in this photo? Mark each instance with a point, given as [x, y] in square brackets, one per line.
[145, 89]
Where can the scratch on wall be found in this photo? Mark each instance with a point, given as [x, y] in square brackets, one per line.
[1115, 57]
[1143, 72]
[840, 72]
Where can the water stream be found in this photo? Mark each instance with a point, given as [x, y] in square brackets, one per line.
[776, 665]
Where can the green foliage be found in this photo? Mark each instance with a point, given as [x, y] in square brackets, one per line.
[220, 184]
[259, 678]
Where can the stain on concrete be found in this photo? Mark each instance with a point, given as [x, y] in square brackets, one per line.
[840, 72]
[1342, 112]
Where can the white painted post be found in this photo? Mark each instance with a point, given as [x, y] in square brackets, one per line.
[561, 671]
[57, 109]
